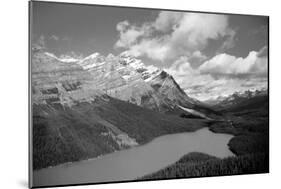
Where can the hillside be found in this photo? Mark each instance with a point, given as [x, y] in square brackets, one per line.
[203, 165]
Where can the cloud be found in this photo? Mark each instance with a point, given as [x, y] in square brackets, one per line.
[127, 35]
[229, 41]
[194, 30]
[167, 20]
[197, 57]
[43, 40]
[130, 33]
[221, 75]
[173, 34]
[121, 26]
[224, 87]
[181, 67]
[152, 48]
[186, 76]
[263, 52]
[54, 37]
[225, 64]
[40, 43]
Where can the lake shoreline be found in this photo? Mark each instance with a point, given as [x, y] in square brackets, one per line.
[138, 161]
[132, 147]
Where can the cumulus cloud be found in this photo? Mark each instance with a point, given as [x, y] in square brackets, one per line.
[173, 34]
[153, 48]
[197, 57]
[129, 34]
[227, 64]
[181, 67]
[224, 87]
[221, 75]
[194, 30]
[121, 26]
[167, 20]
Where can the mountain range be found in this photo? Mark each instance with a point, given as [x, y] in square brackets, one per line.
[87, 108]
[126, 78]
[237, 101]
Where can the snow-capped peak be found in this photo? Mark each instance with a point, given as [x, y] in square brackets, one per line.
[92, 56]
[67, 59]
[147, 72]
[125, 54]
[110, 56]
[91, 61]
[127, 59]
[51, 55]
[151, 69]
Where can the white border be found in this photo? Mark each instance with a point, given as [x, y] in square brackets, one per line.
[14, 92]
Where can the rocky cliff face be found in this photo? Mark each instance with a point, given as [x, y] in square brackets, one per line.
[56, 82]
[117, 77]
[129, 79]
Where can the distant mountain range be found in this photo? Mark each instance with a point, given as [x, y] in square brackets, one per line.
[239, 100]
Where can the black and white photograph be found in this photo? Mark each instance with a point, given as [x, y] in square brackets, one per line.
[122, 94]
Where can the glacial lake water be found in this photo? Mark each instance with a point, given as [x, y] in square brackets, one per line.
[136, 162]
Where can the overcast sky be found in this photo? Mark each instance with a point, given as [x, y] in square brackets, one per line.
[208, 54]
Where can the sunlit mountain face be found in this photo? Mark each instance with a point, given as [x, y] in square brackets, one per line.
[127, 78]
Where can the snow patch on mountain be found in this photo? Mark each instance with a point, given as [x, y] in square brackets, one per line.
[194, 112]
[92, 56]
[92, 61]
[66, 59]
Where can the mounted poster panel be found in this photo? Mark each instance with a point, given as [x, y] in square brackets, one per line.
[121, 94]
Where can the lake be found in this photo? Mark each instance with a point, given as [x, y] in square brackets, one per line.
[136, 162]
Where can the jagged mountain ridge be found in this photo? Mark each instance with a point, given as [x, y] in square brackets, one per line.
[129, 79]
[74, 119]
[59, 82]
